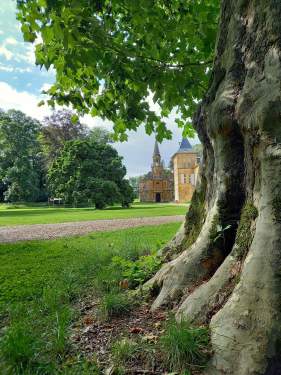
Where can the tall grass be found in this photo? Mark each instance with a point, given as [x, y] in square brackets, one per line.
[184, 346]
[115, 303]
[37, 336]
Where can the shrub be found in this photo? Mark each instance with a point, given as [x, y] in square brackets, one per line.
[184, 346]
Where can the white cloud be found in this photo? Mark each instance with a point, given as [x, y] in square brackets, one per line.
[4, 51]
[1, 32]
[6, 68]
[10, 68]
[12, 41]
[28, 56]
[96, 121]
[45, 87]
[10, 98]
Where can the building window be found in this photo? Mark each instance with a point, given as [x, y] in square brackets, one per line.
[184, 178]
[193, 179]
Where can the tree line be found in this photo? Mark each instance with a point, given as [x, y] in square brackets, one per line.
[59, 157]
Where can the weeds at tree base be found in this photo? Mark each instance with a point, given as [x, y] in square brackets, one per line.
[115, 304]
[184, 346]
[180, 349]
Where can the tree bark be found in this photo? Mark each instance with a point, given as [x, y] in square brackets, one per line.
[224, 266]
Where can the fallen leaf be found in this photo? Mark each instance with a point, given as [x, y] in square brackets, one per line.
[151, 338]
[124, 284]
[88, 320]
[136, 330]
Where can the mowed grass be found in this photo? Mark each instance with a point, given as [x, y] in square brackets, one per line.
[38, 214]
[41, 282]
[27, 267]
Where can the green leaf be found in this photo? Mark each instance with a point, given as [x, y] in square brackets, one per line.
[74, 119]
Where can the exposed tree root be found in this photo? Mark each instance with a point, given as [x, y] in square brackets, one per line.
[200, 305]
[208, 298]
[193, 265]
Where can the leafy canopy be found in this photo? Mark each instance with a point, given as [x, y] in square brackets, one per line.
[19, 156]
[57, 129]
[88, 172]
[111, 55]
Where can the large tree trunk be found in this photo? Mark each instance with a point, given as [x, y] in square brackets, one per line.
[224, 266]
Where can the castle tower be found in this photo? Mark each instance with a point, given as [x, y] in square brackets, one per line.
[157, 185]
[185, 163]
[157, 166]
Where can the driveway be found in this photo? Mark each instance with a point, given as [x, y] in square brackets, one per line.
[50, 231]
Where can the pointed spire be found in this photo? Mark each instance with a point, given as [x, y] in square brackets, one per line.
[156, 148]
[185, 145]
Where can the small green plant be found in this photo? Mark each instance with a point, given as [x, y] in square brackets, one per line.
[107, 279]
[138, 271]
[123, 350]
[79, 366]
[126, 351]
[184, 346]
[218, 230]
[115, 303]
[221, 232]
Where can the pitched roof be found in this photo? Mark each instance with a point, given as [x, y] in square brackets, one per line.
[185, 147]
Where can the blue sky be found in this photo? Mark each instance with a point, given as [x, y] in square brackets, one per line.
[21, 83]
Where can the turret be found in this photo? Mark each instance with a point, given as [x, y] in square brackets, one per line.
[156, 155]
[157, 166]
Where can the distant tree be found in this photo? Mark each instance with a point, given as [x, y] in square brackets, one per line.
[100, 134]
[19, 161]
[61, 126]
[127, 193]
[134, 182]
[3, 188]
[88, 172]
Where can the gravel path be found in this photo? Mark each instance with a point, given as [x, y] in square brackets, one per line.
[49, 231]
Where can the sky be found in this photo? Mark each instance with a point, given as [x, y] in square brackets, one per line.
[22, 82]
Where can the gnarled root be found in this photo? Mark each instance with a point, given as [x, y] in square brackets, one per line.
[188, 269]
[211, 296]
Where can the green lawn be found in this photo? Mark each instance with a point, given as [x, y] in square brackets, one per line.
[36, 214]
[26, 267]
[41, 280]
